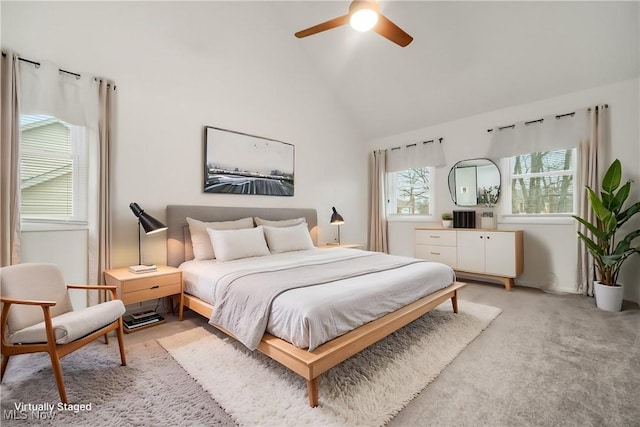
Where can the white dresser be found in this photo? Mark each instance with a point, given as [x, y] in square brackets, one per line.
[493, 253]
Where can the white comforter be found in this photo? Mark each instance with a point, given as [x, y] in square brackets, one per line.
[312, 315]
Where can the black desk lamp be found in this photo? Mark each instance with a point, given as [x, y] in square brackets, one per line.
[336, 219]
[146, 221]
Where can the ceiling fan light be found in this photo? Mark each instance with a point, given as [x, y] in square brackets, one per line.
[363, 19]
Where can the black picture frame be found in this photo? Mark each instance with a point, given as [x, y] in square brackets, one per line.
[239, 163]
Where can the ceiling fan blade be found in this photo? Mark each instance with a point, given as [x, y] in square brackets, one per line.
[333, 23]
[391, 31]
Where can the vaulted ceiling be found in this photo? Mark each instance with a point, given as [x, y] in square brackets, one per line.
[466, 57]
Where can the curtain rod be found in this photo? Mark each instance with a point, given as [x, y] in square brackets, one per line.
[37, 64]
[559, 116]
[413, 145]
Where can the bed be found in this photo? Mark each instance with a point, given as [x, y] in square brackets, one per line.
[311, 356]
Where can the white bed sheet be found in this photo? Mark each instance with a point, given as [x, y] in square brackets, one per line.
[310, 316]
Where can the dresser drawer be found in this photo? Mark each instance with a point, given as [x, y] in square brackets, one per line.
[435, 237]
[444, 254]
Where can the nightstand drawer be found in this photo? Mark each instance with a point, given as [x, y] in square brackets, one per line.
[133, 288]
[153, 292]
[152, 282]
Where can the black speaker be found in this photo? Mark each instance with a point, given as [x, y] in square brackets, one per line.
[464, 219]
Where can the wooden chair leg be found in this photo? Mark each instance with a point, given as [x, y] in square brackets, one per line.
[106, 338]
[454, 301]
[5, 361]
[123, 357]
[57, 372]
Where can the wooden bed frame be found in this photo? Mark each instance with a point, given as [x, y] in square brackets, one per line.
[308, 364]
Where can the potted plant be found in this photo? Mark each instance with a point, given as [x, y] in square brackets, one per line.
[608, 253]
[447, 220]
[487, 220]
[488, 196]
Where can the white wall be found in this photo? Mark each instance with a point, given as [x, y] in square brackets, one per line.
[181, 66]
[550, 250]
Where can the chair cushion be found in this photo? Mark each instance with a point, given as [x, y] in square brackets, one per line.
[33, 281]
[70, 326]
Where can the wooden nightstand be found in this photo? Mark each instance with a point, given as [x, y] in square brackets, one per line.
[343, 245]
[137, 287]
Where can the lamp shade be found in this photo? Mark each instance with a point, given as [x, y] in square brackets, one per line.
[336, 218]
[148, 223]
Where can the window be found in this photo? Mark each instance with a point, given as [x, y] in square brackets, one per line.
[410, 192]
[53, 170]
[543, 182]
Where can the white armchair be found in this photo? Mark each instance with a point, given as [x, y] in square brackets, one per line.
[37, 316]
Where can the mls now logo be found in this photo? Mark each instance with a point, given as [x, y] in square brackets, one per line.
[22, 411]
[14, 414]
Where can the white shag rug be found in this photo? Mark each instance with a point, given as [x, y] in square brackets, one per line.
[367, 389]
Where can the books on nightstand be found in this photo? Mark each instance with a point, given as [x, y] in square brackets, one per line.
[143, 268]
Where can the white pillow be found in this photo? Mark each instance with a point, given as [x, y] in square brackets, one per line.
[236, 244]
[280, 223]
[286, 239]
[202, 248]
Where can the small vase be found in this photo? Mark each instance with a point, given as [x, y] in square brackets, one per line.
[608, 298]
[447, 223]
[488, 222]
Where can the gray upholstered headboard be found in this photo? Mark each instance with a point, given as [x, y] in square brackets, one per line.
[179, 240]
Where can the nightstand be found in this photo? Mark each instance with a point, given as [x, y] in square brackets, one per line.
[342, 245]
[137, 287]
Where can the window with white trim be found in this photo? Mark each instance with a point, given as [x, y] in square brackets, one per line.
[543, 183]
[410, 192]
[53, 170]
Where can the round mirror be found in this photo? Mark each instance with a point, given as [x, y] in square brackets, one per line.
[474, 182]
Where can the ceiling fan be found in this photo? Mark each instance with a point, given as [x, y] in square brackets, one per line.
[363, 16]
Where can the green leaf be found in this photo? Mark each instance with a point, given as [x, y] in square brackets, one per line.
[597, 234]
[625, 215]
[611, 260]
[598, 208]
[616, 203]
[612, 177]
[595, 250]
[624, 245]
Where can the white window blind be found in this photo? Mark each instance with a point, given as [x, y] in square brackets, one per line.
[53, 170]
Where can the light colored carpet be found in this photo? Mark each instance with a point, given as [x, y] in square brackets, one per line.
[367, 389]
[547, 360]
[152, 390]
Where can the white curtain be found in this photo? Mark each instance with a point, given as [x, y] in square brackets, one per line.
[591, 155]
[85, 101]
[588, 131]
[377, 236]
[418, 155]
[549, 133]
[46, 90]
[9, 160]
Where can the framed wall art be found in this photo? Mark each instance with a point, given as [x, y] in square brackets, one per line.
[238, 163]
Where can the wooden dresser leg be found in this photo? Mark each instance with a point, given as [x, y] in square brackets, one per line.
[312, 391]
[508, 282]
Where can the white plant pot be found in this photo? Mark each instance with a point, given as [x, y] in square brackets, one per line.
[488, 222]
[446, 223]
[608, 298]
